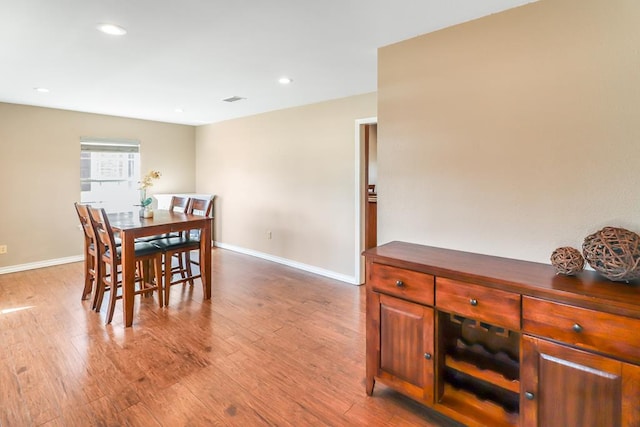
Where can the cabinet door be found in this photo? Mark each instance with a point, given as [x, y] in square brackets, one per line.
[566, 387]
[406, 347]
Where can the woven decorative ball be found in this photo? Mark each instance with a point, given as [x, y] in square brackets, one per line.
[614, 253]
[567, 260]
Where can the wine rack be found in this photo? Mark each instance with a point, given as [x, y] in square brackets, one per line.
[479, 368]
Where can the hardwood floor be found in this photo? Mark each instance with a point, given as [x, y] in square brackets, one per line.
[274, 346]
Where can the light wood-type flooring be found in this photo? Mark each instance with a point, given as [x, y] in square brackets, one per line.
[274, 346]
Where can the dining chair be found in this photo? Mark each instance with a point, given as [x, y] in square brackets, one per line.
[111, 260]
[181, 247]
[91, 254]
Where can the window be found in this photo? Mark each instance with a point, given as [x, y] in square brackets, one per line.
[109, 173]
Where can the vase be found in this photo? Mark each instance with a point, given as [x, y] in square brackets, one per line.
[146, 212]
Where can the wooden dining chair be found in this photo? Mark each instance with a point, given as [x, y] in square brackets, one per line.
[111, 260]
[91, 253]
[181, 247]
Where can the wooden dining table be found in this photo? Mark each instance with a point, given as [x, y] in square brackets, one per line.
[131, 226]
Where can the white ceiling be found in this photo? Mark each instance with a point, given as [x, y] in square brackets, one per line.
[190, 54]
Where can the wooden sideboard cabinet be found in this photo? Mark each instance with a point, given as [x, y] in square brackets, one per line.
[491, 341]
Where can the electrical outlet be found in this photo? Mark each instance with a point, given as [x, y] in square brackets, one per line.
[269, 235]
[3, 249]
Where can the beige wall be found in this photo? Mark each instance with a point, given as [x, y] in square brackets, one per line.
[291, 172]
[40, 173]
[513, 134]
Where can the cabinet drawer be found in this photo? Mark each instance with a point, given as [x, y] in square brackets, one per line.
[493, 306]
[590, 329]
[408, 284]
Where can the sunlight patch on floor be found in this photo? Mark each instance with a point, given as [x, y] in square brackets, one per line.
[12, 310]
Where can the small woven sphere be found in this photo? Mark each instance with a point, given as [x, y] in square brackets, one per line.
[567, 260]
[614, 253]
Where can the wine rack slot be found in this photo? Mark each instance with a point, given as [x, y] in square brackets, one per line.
[478, 356]
[483, 391]
[489, 376]
[482, 411]
[481, 366]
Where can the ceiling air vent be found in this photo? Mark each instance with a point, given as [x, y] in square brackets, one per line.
[233, 99]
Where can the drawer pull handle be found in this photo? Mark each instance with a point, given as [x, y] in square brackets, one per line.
[529, 395]
[427, 356]
[577, 328]
[400, 284]
[473, 302]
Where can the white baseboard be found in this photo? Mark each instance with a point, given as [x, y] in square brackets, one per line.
[40, 264]
[284, 261]
[300, 266]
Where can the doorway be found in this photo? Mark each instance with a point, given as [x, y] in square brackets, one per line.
[366, 174]
[371, 178]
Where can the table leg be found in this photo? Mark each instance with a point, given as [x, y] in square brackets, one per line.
[128, 276]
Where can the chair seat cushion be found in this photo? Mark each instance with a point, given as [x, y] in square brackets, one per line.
[117, 240]
[158, 237]
[141, 249]
[175, 243]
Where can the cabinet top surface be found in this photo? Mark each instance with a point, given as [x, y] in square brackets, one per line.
[528, 278]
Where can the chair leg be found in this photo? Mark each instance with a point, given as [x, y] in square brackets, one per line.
[113, 285]
[157, 263]
[88, 277]
[101, 273]
[168, 262]
[180, 265]
[187, 261]
[200, 266]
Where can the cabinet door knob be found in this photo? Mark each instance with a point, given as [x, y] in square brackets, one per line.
[529, 395]
[473, 302]
[400, 283]
[577, 328]
[427, 356]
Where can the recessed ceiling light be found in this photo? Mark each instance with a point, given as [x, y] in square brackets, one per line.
[41, 89]
[114, 30]
[179, 110]
[284, 80]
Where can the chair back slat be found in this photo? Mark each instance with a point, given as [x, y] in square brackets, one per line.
[85, 221]
[104, 232]
[179, 204]
[200, 207]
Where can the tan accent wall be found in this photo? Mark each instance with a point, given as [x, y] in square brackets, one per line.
[290, 172]
[40, 174]
[513, 134]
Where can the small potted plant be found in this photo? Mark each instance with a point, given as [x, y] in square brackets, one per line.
[146, 210]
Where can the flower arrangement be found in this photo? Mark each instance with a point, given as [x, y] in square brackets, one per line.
[147, 182]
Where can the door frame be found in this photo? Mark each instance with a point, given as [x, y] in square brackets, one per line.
[360, 193]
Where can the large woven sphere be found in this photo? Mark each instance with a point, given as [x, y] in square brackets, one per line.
[614, 253]
[567, 260]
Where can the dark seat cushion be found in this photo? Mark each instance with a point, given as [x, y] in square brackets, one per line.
[158, 237]
[117, 239]
[175, 243]
[141, 249]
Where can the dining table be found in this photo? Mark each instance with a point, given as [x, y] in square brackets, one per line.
[131, 226]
